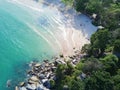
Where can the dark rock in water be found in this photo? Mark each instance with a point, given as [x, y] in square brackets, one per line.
[46, 61]
[8, 84]
[30, 72]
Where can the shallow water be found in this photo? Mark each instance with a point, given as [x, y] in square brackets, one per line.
[29, 32]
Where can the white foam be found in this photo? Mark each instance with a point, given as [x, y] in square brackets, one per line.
[39, 33]
[68, 33]
[25, 4]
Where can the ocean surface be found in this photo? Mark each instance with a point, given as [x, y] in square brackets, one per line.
[27, 33]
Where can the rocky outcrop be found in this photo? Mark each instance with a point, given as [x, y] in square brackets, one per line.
[40, 74]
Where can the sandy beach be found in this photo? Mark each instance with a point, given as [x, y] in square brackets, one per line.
[73, 29]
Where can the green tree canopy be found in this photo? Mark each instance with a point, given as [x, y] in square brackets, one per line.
[99, 80]
[110, 63]
[99, 41]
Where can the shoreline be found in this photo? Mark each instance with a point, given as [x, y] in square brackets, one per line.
[73, 37]
[76, 28]
[40, 75]
[72, 33]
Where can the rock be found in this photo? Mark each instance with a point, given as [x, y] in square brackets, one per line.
[43, 66]
[37, 65]
[56, 63]
[62, 62]
[16, 88]
[83, 76]
[23, 88]
[30, 72]
[46, 83]
[52, 64]
[34, 78]
[61, 55]
[46, 61]
[31, 86]
[22, 84]
[71, 57]
[53, 68]
[31, 82]
[94, 15]
[46, 65]
[48, 75]
[44, 80]
[41, 76]
[8, 84]
[53, 78]
[41, 87]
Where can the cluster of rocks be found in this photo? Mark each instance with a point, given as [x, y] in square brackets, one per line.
[41, 74]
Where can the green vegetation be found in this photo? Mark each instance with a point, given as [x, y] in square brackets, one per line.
[68, 2]
[102, 64]
[107, 11]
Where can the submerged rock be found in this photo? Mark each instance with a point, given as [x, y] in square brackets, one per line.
[8, 84]
[22, 84]
[23, 88]
[40, 75]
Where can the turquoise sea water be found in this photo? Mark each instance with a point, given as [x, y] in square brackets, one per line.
[19, 43]
[33, 32]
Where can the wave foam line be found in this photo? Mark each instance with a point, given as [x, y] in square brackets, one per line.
[55, 39]
[38, 33]
[28, 6]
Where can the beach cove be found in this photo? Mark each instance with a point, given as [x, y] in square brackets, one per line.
[35, 31]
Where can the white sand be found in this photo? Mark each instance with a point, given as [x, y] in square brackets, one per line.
[73, 30]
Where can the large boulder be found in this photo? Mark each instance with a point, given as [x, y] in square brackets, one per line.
[41, 76]
[46, 83]
[22, 88]
[34, 78]
[31, 86]
[37, 65]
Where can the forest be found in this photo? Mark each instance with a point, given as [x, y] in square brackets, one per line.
[100, 68]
